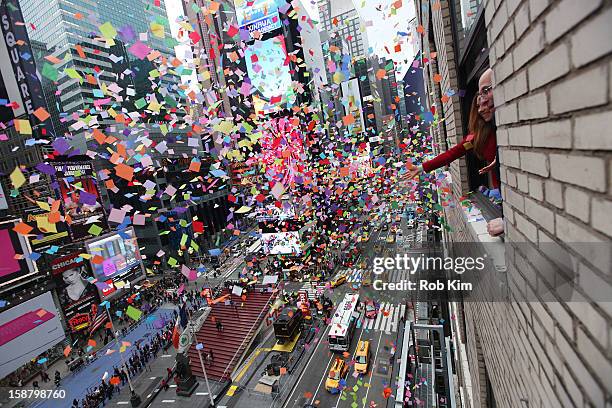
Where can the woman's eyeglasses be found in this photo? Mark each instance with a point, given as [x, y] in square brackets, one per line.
[485, 91]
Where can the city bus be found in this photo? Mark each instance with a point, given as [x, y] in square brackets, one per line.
[343, 323]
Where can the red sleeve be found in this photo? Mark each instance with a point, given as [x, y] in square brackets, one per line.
[446, 158]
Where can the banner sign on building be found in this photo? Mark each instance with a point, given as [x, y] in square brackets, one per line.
[16, 49]
[76, 291]
[77, 189]
[259, 15]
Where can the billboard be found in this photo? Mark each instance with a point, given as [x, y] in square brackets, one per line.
[281, 243]
[75, 289]
[27, 330]
[3, 202]
[352, 103]
[15, 261]
[281, 237]
[23, 85]
[258, 15]
[115, 261]
[268, 68]
[46, 233]
[77, 190]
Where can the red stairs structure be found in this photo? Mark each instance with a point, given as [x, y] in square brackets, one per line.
[240, 323]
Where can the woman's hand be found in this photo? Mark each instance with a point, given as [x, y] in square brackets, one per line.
[488, 167]
[495, 227]
[413, 171]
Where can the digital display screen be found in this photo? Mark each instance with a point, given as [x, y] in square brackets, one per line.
[15, 261]
[115, 258]
[268, 69]
[281, 243]
[27, 330]
[77, 189]
[258, 15]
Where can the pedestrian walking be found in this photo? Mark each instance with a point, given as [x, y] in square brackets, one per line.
[219, 326]
[57, 378]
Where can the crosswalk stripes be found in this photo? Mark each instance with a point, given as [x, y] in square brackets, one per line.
[387, 318]
[313, 289]
[354, 276]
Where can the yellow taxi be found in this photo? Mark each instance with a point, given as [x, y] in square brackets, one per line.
[366, 279]
[337, 371]
[338, 281]
[362, 356]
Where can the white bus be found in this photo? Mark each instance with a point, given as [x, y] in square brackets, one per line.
[343, 323]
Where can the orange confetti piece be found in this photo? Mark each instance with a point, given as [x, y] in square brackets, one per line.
[41, 114]
[22, 228]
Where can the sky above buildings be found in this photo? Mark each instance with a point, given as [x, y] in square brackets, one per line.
[387, 25]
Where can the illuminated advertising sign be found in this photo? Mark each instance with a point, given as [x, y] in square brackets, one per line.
[76, 291]
[45, 232]
[115, 261]
[3, 202]
[258, 15]
[23, 86]
[76, 188]
[15, 261]
[268, 68]
[281, 243]
[28, 330]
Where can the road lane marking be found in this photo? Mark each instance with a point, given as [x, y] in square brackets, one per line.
[314, 396]
[379, 316]
[365, 399]
[348, 373]
[393, 316]
[314, 351]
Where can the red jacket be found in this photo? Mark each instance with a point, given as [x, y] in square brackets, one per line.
[459, 150]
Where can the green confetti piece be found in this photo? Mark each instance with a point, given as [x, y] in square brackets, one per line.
[133, 313]
[50, 72]
[140, 103]
[95, 230]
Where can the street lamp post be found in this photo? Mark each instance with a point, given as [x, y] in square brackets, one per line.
[135, 399]
[199, 347]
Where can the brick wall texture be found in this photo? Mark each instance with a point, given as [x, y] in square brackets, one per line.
[552, 62]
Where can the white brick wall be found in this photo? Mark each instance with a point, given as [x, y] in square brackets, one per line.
[583, 171]
[554, 134]
[601, 210]
[531, 45]
[577, 203]
[585, 90]
[533, 106]
[566, 15]
[593, 40]
[553, 92]
[536, 163]
[519, 136]
[592, 132]
[553, 191]
[550, 66]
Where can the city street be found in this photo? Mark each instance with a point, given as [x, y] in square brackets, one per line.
[305, 204]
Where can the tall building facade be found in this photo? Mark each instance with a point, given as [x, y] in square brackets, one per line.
[546, 343]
